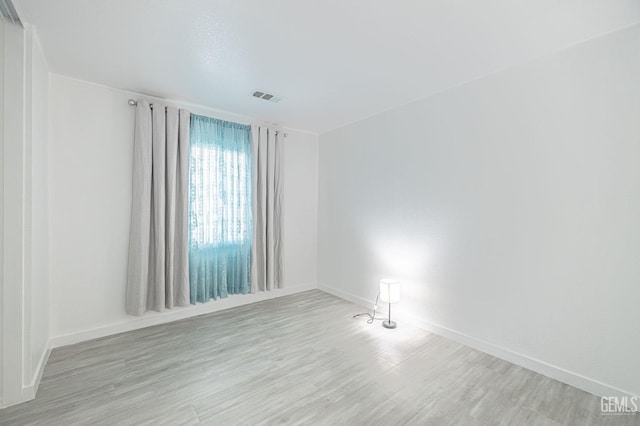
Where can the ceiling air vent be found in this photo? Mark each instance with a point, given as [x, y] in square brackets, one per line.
[260, 94]
[9, 12]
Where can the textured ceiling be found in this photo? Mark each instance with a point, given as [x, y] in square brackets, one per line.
[333, 61]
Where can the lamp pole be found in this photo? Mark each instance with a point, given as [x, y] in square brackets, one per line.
[388, 323]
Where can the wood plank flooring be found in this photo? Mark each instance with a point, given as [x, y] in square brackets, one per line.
[298, 359]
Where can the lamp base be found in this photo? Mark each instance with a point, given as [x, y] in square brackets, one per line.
[389, 324]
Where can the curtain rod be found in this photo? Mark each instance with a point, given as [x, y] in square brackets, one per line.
[133, 102]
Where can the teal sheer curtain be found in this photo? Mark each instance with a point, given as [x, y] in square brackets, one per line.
[220, 217]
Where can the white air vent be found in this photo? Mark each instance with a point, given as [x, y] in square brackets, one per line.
[261, 94]
[9, 12]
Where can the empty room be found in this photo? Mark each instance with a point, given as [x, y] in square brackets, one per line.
[420, 212]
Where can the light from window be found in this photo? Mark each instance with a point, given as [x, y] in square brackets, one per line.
[220, 197]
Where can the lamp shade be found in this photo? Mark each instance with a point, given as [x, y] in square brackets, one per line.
[389, 291]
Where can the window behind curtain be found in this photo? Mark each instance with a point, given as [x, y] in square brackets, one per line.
[220, 212]
[220, 198]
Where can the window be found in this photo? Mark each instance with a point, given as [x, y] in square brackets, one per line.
[220, 213]
[220, 197]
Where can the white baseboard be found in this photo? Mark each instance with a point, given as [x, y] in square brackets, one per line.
[361, 301]
[574, 379]
[155, 318]
[29, 391]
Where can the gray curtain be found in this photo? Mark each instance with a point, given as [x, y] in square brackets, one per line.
[266, 250]
[158, 271]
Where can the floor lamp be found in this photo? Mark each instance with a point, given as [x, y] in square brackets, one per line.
[389, 293]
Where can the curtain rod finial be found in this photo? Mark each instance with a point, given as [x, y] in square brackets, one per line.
[132, 102]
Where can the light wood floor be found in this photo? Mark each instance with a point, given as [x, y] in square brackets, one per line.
[299, 359]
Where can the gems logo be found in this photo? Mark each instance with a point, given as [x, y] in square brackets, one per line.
[614, 405]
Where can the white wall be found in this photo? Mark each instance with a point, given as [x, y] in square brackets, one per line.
[300, 228]
[90, 162]
[2, 101]
[39, 202]
[13, 309]
[508, 207]
[25, 283]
